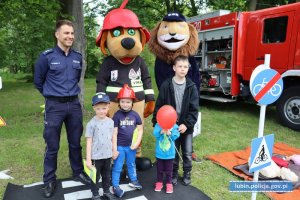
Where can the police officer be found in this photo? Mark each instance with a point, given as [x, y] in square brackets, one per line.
[57, 73]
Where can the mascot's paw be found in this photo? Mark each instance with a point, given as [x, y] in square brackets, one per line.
[149, 108]
[143, 163]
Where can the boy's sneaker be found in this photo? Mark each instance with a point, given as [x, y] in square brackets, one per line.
[158, 186]
[108, 196]
[118, 191]
[136, 185]
[169, 188]
[96, 197]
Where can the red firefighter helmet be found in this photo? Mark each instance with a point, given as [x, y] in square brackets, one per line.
[126, 93]
[121, 17]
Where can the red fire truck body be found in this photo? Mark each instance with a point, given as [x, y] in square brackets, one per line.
[233, 45]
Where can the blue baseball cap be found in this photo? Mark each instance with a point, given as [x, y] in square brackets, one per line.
[100, 97]
[174, 17]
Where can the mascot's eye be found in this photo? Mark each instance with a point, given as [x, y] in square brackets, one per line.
[131, 31]
[116, 33]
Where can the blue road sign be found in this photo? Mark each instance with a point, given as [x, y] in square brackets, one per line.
[267, 86]
[261, 152]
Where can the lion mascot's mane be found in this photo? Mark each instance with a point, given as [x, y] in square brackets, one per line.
[190, 48]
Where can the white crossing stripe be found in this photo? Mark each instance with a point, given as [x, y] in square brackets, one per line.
[33, 184]
[138, 198]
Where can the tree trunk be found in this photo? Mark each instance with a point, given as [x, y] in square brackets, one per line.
[168, 5]
[175, 6]
[194, 9]
[252, 5]
[75, 9]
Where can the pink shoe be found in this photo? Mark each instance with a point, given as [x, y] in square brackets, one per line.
[169, 189]
[158, 186]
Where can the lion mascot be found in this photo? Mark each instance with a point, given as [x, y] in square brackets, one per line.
[172, 37]
[121, 40]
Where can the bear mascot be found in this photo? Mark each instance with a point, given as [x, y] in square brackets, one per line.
[121, 40]
[172, 37]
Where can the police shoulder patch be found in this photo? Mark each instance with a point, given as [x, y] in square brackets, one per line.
[47, 51]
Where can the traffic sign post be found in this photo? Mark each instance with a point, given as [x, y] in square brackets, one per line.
[266, 86]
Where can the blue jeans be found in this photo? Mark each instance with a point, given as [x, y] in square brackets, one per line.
[125, 153]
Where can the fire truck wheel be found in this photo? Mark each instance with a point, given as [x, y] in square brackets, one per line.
[288, 108]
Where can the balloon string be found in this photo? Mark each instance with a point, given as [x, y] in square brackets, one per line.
[176, 148]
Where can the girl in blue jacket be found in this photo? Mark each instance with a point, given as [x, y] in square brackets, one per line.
[165, 154]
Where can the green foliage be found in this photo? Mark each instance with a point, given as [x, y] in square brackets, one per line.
[26, 29]
[150, 12]
[269, 3]
[242, 5]
[236, 5]
[93, 53]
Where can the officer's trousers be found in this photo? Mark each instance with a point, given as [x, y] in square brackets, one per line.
[57, 113]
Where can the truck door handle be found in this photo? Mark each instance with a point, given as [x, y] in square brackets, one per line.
[260, 58]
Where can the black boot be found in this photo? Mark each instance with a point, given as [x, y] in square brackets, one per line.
[49, 189]
[174, 177]
[108, 196]
[186, 180]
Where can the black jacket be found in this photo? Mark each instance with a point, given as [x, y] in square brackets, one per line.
[190, 103]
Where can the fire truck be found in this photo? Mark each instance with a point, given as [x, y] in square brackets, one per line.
[232, 45]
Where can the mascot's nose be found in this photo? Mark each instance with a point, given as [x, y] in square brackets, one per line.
[172, 34]
[128, 43]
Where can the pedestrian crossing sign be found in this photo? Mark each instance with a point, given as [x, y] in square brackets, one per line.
[261, 152]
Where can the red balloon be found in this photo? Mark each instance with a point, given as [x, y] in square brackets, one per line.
[166, 117]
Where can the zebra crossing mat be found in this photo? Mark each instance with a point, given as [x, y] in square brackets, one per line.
[68, 189]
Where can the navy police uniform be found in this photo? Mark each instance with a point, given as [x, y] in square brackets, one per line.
[56, 77]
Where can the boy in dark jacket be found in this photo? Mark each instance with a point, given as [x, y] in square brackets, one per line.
[181, 93]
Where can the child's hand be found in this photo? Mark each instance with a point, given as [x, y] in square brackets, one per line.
[168, 132]
[89, 164]
[182, 128]
[165, 131]
[115, 155]
[134, 146]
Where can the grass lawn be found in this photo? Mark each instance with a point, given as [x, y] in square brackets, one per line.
[225, 127]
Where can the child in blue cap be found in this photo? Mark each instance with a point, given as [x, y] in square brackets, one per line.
[99, 134]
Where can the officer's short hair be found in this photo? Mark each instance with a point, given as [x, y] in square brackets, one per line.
[62, 22]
